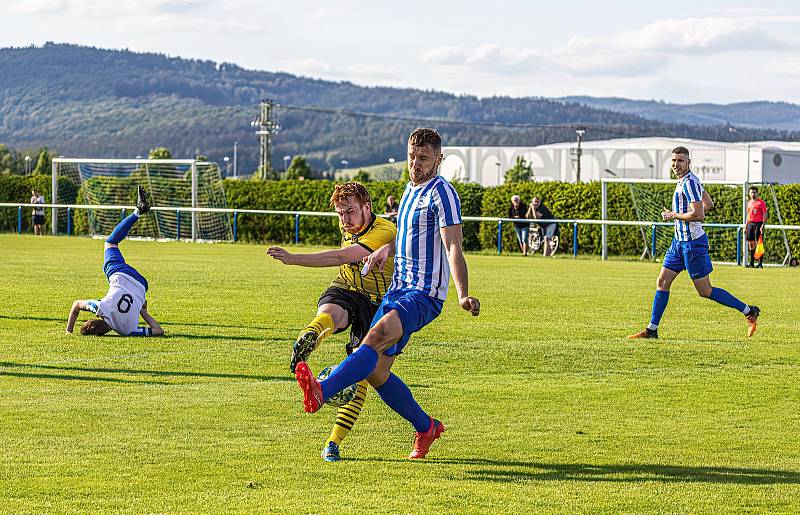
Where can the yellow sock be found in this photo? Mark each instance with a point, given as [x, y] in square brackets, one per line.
[322, 325]
[348, 414]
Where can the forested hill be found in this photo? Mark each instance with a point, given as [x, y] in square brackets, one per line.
[83, 101]
[773, 115]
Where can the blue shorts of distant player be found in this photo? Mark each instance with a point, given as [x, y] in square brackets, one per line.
[691, 256]
[416, 310]
[114, 263]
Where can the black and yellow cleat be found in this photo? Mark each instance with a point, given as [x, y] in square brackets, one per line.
[141, 201]
[302, 348]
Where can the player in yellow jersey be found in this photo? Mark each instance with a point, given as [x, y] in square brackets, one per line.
[352, 298]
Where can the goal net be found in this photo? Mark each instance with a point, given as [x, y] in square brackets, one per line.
[169, 183]
[643, 200]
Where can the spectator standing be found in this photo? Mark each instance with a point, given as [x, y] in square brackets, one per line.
[538, 210]
[517, 211]
[391, 209]
[756, 216]
[38, 213]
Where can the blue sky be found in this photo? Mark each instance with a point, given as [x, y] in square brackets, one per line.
[678, 51]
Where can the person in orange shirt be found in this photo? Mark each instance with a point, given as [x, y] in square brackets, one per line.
[756, 216]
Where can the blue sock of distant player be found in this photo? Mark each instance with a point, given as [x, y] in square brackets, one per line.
[659, 305]
[356, 367]
[123, 228]
[397, 396]
[726, 299]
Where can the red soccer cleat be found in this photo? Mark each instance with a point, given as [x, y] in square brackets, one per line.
[423, 441]
[312, 390]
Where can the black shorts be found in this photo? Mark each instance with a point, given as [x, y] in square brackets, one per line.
[38, 219]
[360, 311]
[752, 230]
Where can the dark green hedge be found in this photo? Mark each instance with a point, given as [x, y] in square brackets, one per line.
[565, 200]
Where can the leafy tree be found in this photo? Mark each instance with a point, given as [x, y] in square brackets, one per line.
[44, 165]
[159, 153]
[299, 167]
[522, 171]
[362, 177]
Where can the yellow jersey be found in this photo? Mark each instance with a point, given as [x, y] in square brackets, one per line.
[374, 285]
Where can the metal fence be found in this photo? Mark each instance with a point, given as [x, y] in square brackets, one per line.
[234, 213]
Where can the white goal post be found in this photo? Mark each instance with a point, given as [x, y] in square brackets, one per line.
[169, 182]
[648, 215]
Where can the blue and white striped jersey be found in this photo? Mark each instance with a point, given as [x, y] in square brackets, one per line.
[421, 261]
[687, 190]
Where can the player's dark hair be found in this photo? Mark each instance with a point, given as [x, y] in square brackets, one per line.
[681, 150]
[350, 189]
[753, 188]
[422, 137]
[95, 326]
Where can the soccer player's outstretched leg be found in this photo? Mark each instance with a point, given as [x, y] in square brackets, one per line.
[429, 226]
[689, 249]
[352, 298]
[125, 301]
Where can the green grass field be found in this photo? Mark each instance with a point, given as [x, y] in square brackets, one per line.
[548, 407]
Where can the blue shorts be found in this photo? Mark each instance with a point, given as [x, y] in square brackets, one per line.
[416, 310]
[114, 263]
[691, 256]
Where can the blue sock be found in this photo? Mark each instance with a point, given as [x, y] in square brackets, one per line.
[659, 305]
[356, 367]
[122, 229]
[397, 396]
[726, 299]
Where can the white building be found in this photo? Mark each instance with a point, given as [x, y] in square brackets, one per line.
[640, 158]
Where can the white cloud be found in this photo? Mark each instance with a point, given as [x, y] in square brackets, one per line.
[789, 66]
[686, 36]
[445, 55]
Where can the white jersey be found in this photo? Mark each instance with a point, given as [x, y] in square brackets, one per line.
[121, 305]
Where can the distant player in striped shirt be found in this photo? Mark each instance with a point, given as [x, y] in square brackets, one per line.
[428, 248]
[689, 249]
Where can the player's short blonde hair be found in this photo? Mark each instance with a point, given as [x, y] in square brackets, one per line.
[354, 190]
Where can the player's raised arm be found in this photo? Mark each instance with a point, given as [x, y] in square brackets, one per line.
[452, 238]
[77, 307]
[333, 257]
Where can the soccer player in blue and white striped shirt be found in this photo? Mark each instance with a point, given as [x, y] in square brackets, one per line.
[428, 250]
[689, 249]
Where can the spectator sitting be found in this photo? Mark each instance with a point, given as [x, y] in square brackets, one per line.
[538, 210]
[391, 208]
[517, 210]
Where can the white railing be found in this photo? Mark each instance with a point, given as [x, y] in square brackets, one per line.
[576, 222]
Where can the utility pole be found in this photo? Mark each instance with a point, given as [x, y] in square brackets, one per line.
[580, 131]
[265, 128]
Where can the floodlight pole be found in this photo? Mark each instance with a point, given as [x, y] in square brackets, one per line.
[580, 131]
[235, 149]
[603, 216]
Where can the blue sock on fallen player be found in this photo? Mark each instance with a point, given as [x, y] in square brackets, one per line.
[122, 229]
[659, 305]
[397, 396]
[356, 367]
[726, 299]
